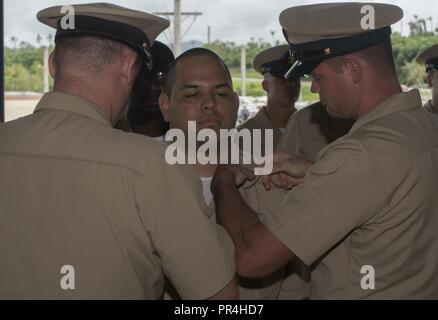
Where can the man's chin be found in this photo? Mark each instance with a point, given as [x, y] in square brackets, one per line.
[215, 128]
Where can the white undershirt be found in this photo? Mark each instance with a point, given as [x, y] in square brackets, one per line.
[160, 138]
[208, 196]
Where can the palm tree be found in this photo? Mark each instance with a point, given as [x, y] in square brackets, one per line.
[39, 38]
[14, 40]
[273, 37]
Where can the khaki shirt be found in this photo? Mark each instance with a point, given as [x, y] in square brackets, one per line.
[310, 129]
[261, 121]
[260, 200]
[77, 192]
[370, 200]
[307, 132]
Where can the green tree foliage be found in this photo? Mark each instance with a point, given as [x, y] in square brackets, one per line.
[23, 67]
[231, 53]
[406, 50]
[24, 62]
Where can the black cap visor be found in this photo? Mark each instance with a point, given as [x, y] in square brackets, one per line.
[309, 55]
[117, 31]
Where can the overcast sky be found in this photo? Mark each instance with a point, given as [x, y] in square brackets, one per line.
[230, 20]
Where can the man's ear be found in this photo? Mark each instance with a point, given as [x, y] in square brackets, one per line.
[265, 85]
[353, 69]
[164, 102]
[52, 65]
[130, 68]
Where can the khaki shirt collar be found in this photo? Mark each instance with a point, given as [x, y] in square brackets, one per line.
[396, 103]
[263, 119]
[74, 104]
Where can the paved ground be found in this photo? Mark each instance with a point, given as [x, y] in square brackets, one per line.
[18, 108]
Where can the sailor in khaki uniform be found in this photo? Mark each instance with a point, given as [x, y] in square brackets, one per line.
[429, 57]
[281, 93]
[199, 88]
[366, 214]
[85, 211]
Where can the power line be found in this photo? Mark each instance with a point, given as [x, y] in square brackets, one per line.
[177, 24]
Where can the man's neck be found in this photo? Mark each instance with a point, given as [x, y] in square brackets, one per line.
[279, 116]
[377, 93]
[205, 170]
[99, 95]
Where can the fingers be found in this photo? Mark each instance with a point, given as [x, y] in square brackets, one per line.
[281, 180]
[248, 173]
[266, 181]
[281, 156]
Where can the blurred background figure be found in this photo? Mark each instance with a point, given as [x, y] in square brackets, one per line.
[143, 115]
[282, 93]
[243, 114]
[429, 57]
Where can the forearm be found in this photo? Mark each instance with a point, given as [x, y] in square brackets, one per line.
[234, 214]
[258, 252]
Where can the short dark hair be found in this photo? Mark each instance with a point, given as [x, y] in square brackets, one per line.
[194, 52]
[87, 54]
[379, 56]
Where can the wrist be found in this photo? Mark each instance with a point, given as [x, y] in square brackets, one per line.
[223, 178]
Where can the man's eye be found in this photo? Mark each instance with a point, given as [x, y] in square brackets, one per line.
[190, 94]
[222, 94]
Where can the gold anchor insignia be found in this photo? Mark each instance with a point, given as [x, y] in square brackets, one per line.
[145, 45]
[327, 51]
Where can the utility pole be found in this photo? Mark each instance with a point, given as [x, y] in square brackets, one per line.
[177, 27]
[46, 69]
[243, 71]
[45, 61]
[208, 34]
[177, 23]
[2, 85]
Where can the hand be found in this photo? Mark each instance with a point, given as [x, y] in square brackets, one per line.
[287, 172]
[234, 175]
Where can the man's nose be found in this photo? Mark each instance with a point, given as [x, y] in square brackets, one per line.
[209, 102]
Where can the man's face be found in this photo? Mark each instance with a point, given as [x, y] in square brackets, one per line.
[284, 93]
[335, 90]
[203, 93]
[147, 100]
